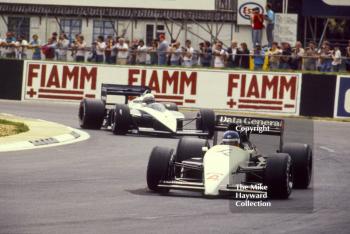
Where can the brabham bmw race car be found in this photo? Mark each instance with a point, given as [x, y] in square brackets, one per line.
[141, 115]
[226, 168]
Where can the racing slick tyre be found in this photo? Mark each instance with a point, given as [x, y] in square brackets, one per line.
[187, 148]
[122, 120]
[279, 176]
[301, 155]
[206, 121]
[91, 114]
[171, 106]
[158, 168]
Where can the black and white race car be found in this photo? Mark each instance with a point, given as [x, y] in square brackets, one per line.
[226, 169]
[141, 115]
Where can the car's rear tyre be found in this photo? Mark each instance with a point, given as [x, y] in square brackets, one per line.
[171, 106]
[206, 121]
[302, 158]
[91, 113]
[122, 120]
[158, 168]
[279, 176]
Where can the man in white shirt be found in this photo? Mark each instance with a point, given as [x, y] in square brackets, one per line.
[220, 55]
[141, 55]
[62, 47]
[336, 58]
[21, 48]
[100, 49]
[187, 54]
[175, 53]
[122, 55]
[79, 47]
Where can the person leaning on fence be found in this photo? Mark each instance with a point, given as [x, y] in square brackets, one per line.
[79, 46]
[326, 58]
[285, 58]
[110, 55]
[297, 56]
[123, 52]
[187, 53]
[175, 54]
[220, 56]
[205, 56]
[153, 52]
[259, 57]
[10, 45]
[162, 50]
[336, 56]
[244, 56]
[232, 51]
[141, 53]
[21, 48]
[310, 57]
[274, 54]
[62, 47]
[100, 49]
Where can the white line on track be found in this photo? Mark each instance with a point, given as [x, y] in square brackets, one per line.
[327, 149]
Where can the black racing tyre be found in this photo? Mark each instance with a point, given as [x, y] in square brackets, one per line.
[302, 160]
[189, 147]
[171, 106]
[279, 176]
[122, 120]
[91, 113]
[206, 121]
[158, 168]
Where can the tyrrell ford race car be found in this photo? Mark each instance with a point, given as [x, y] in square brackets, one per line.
[228, 168]
[141, 115]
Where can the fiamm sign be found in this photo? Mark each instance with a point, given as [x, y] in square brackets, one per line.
[342, 97]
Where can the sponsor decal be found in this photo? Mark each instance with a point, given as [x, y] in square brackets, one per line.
[263, 92]
[249, 121]
[60, 81]
[342, 97]
[182, 85]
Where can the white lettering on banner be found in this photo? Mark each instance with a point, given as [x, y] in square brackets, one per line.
[195, 88]
[60, 81]
[347, 101]
[264, 92]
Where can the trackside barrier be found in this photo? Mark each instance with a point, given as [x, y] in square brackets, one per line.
[11, 75]
[241, 91]
[262, 92]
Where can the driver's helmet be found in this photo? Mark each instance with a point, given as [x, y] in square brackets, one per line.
[231, 138]
[148, 98]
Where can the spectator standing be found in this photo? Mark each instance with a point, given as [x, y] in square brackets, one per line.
[21, 48]
[162, 50]
[80, 47]
[133, 52]
[310, 57]
[257, 20]
[297, 56]
[10, 45]
[270, 24]
[175, 54]
[232, 51]
[141, 51]
[49, 49]
[123, 52]
[326, 59]
[62, 47]
[336, 56]
[244, 56]
[274, 56]
[285, 58]
[187, 53]
[220, 55]
[100, 49]
[259, 57]
[110, 54]
[35, 44]
[347, 62]
[153, 52]
[206, 54]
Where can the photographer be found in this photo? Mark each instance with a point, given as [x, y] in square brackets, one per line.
[187, 53]
[206, 54]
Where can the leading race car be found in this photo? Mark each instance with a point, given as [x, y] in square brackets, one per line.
[235, 165]
[141, 115]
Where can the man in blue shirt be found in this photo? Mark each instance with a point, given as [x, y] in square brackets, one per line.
[163, 48]
[270, 19]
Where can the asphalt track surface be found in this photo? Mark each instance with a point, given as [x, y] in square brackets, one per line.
[98, 186]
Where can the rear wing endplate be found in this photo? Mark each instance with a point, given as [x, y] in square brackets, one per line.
[122, 90]
[250, 125]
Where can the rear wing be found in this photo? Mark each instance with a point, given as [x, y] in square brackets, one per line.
[122, 90]
[250, 125]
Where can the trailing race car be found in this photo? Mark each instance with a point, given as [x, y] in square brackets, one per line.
[233, 165]
[141, 115]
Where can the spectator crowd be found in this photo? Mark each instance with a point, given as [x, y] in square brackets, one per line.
[118, 50]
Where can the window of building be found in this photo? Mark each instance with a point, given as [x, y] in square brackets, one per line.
[71, 27]
[103, 28]
[20, 26]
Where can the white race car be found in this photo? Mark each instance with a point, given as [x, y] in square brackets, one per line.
[224, 168]
[141, 115]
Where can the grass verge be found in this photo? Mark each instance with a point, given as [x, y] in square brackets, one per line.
[8, 128]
